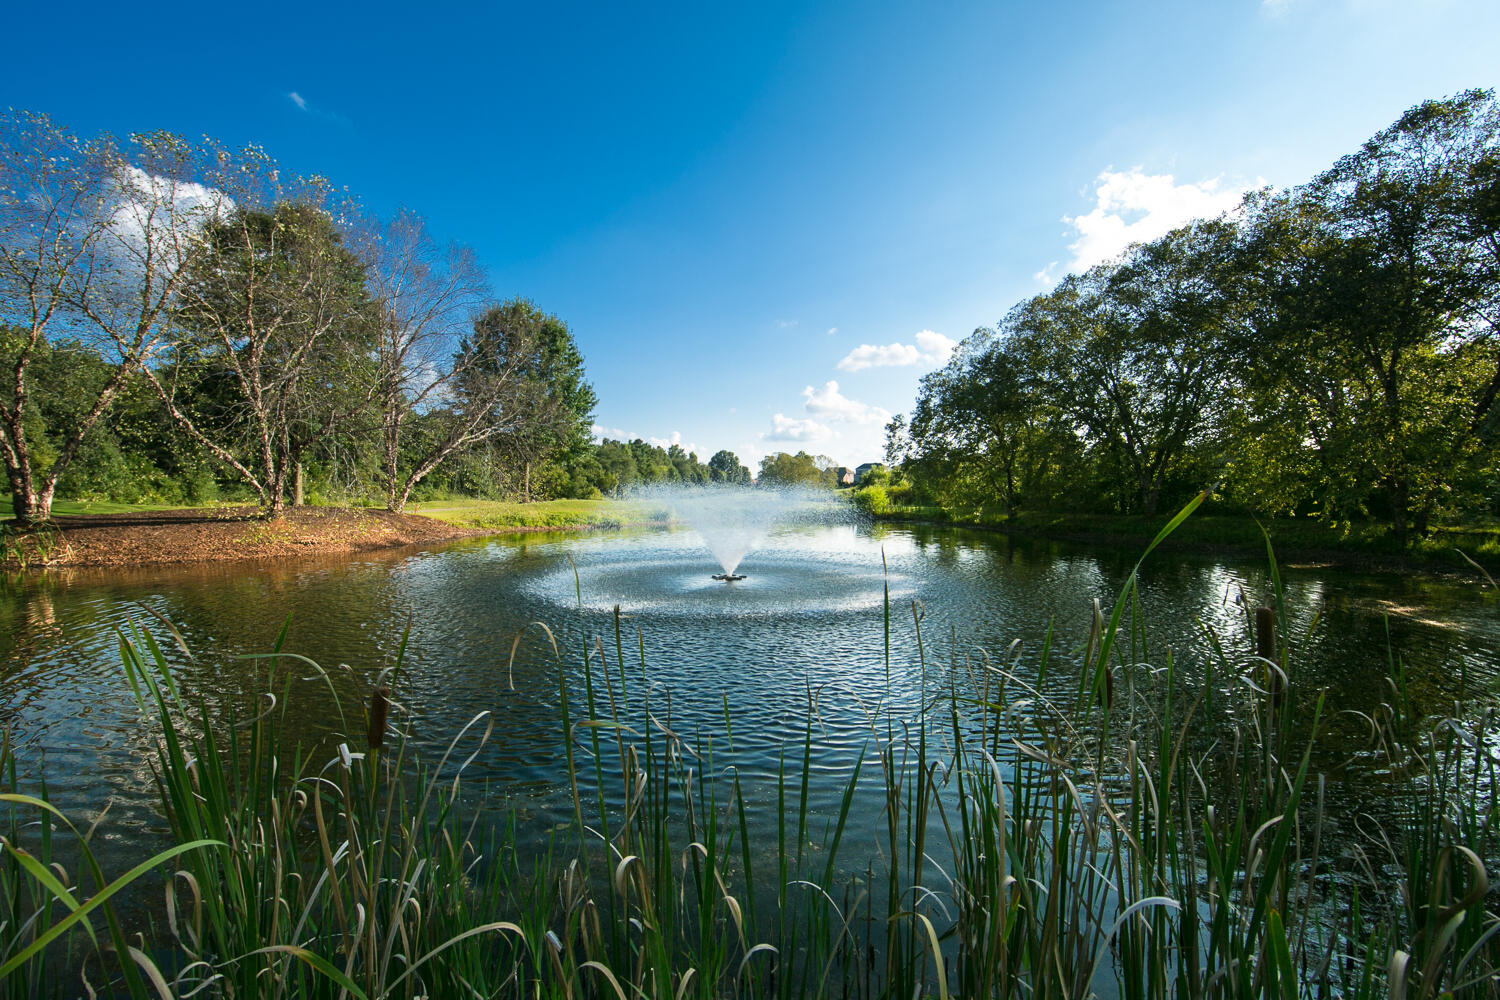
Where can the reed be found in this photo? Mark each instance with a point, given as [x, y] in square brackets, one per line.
[1117, 820]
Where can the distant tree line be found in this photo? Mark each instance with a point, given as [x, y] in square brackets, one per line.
[1330, 350]
[613, 467]
[184, 322]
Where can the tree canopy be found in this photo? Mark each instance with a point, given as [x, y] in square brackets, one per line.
[1329, 350]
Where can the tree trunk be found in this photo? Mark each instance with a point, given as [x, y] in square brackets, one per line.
[395, 497]
[297, 484]
[1400, 523]
[24, 504]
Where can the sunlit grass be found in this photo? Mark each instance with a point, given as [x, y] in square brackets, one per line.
[473, 513]
[64, 508]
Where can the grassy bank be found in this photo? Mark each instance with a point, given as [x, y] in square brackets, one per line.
[1109, 820]
[1236, 533]
[546, 514]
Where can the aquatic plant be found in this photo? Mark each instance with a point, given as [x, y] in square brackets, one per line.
[1111, 821]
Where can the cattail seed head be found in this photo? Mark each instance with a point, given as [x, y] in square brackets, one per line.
[380, 706]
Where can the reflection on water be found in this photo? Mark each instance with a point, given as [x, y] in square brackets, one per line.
[804, 629]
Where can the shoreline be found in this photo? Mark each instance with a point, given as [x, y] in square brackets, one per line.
[198, 536]
[1288, 553]
[234, 535]
[227, 535]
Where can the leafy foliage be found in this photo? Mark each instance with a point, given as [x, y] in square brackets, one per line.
[1329, 350]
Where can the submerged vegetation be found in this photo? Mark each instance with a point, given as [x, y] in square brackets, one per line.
[1116, 818]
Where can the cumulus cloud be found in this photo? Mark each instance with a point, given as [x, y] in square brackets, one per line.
[162, 215]
[785, 428]
[1132, 206]
[930, 348]
[601, 432]
[873, 356]
[676, 438]
[935, 347]
[829, 403]
[1047, 275]
[832, 330]
[298, 100]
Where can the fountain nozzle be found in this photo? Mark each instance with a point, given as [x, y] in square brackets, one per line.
[727, 577]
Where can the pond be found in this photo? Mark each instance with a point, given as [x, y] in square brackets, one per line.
[752, 664]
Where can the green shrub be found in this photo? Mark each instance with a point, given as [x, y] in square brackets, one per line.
[874, 499]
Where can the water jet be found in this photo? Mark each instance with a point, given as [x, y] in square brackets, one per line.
[733, 520]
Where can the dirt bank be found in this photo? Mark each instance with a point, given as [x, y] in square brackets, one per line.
[173, 537]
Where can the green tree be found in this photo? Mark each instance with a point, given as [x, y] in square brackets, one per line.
[617, 462]
[725, 467]
[519, 386]
[1137, 355]
[983, 426]
[1374, 335]
[94, 240]
[801, 469]
[277, 312]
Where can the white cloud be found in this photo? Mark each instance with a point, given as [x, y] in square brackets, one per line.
[785, 428]
[601, 432]
[871, 356]
[785, 323]
[1047, 275]
[832, 330]
[307, 107]
[930, 348]
[935, 347]
[676, 438]
[829, 403]
[162, 213]
[1133, 206]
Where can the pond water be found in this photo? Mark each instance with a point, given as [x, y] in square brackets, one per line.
[801, 641]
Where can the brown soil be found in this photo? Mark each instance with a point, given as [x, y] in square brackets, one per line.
[228, 535]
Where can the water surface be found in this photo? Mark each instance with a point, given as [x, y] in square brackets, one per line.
[800, 643]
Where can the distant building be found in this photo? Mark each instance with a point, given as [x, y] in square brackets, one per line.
[859, 473]
[843, 476]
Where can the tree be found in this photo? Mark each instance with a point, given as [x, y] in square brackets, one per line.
[1137, 354]
[519, 383]
[689, 469]
[426, 297]
[617, 461]
[559, 400]
[93, 242]
[980, 427]
[725, 467]
[801, 469]
[278, 312]
[1375, 329]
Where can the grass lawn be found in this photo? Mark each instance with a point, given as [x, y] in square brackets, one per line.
[66, 508]
[545, 514]
[469, 513]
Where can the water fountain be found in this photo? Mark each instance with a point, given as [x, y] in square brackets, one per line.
[732, 520]
[733, 551]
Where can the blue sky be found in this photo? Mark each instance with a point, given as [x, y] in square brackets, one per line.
[765, 222]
